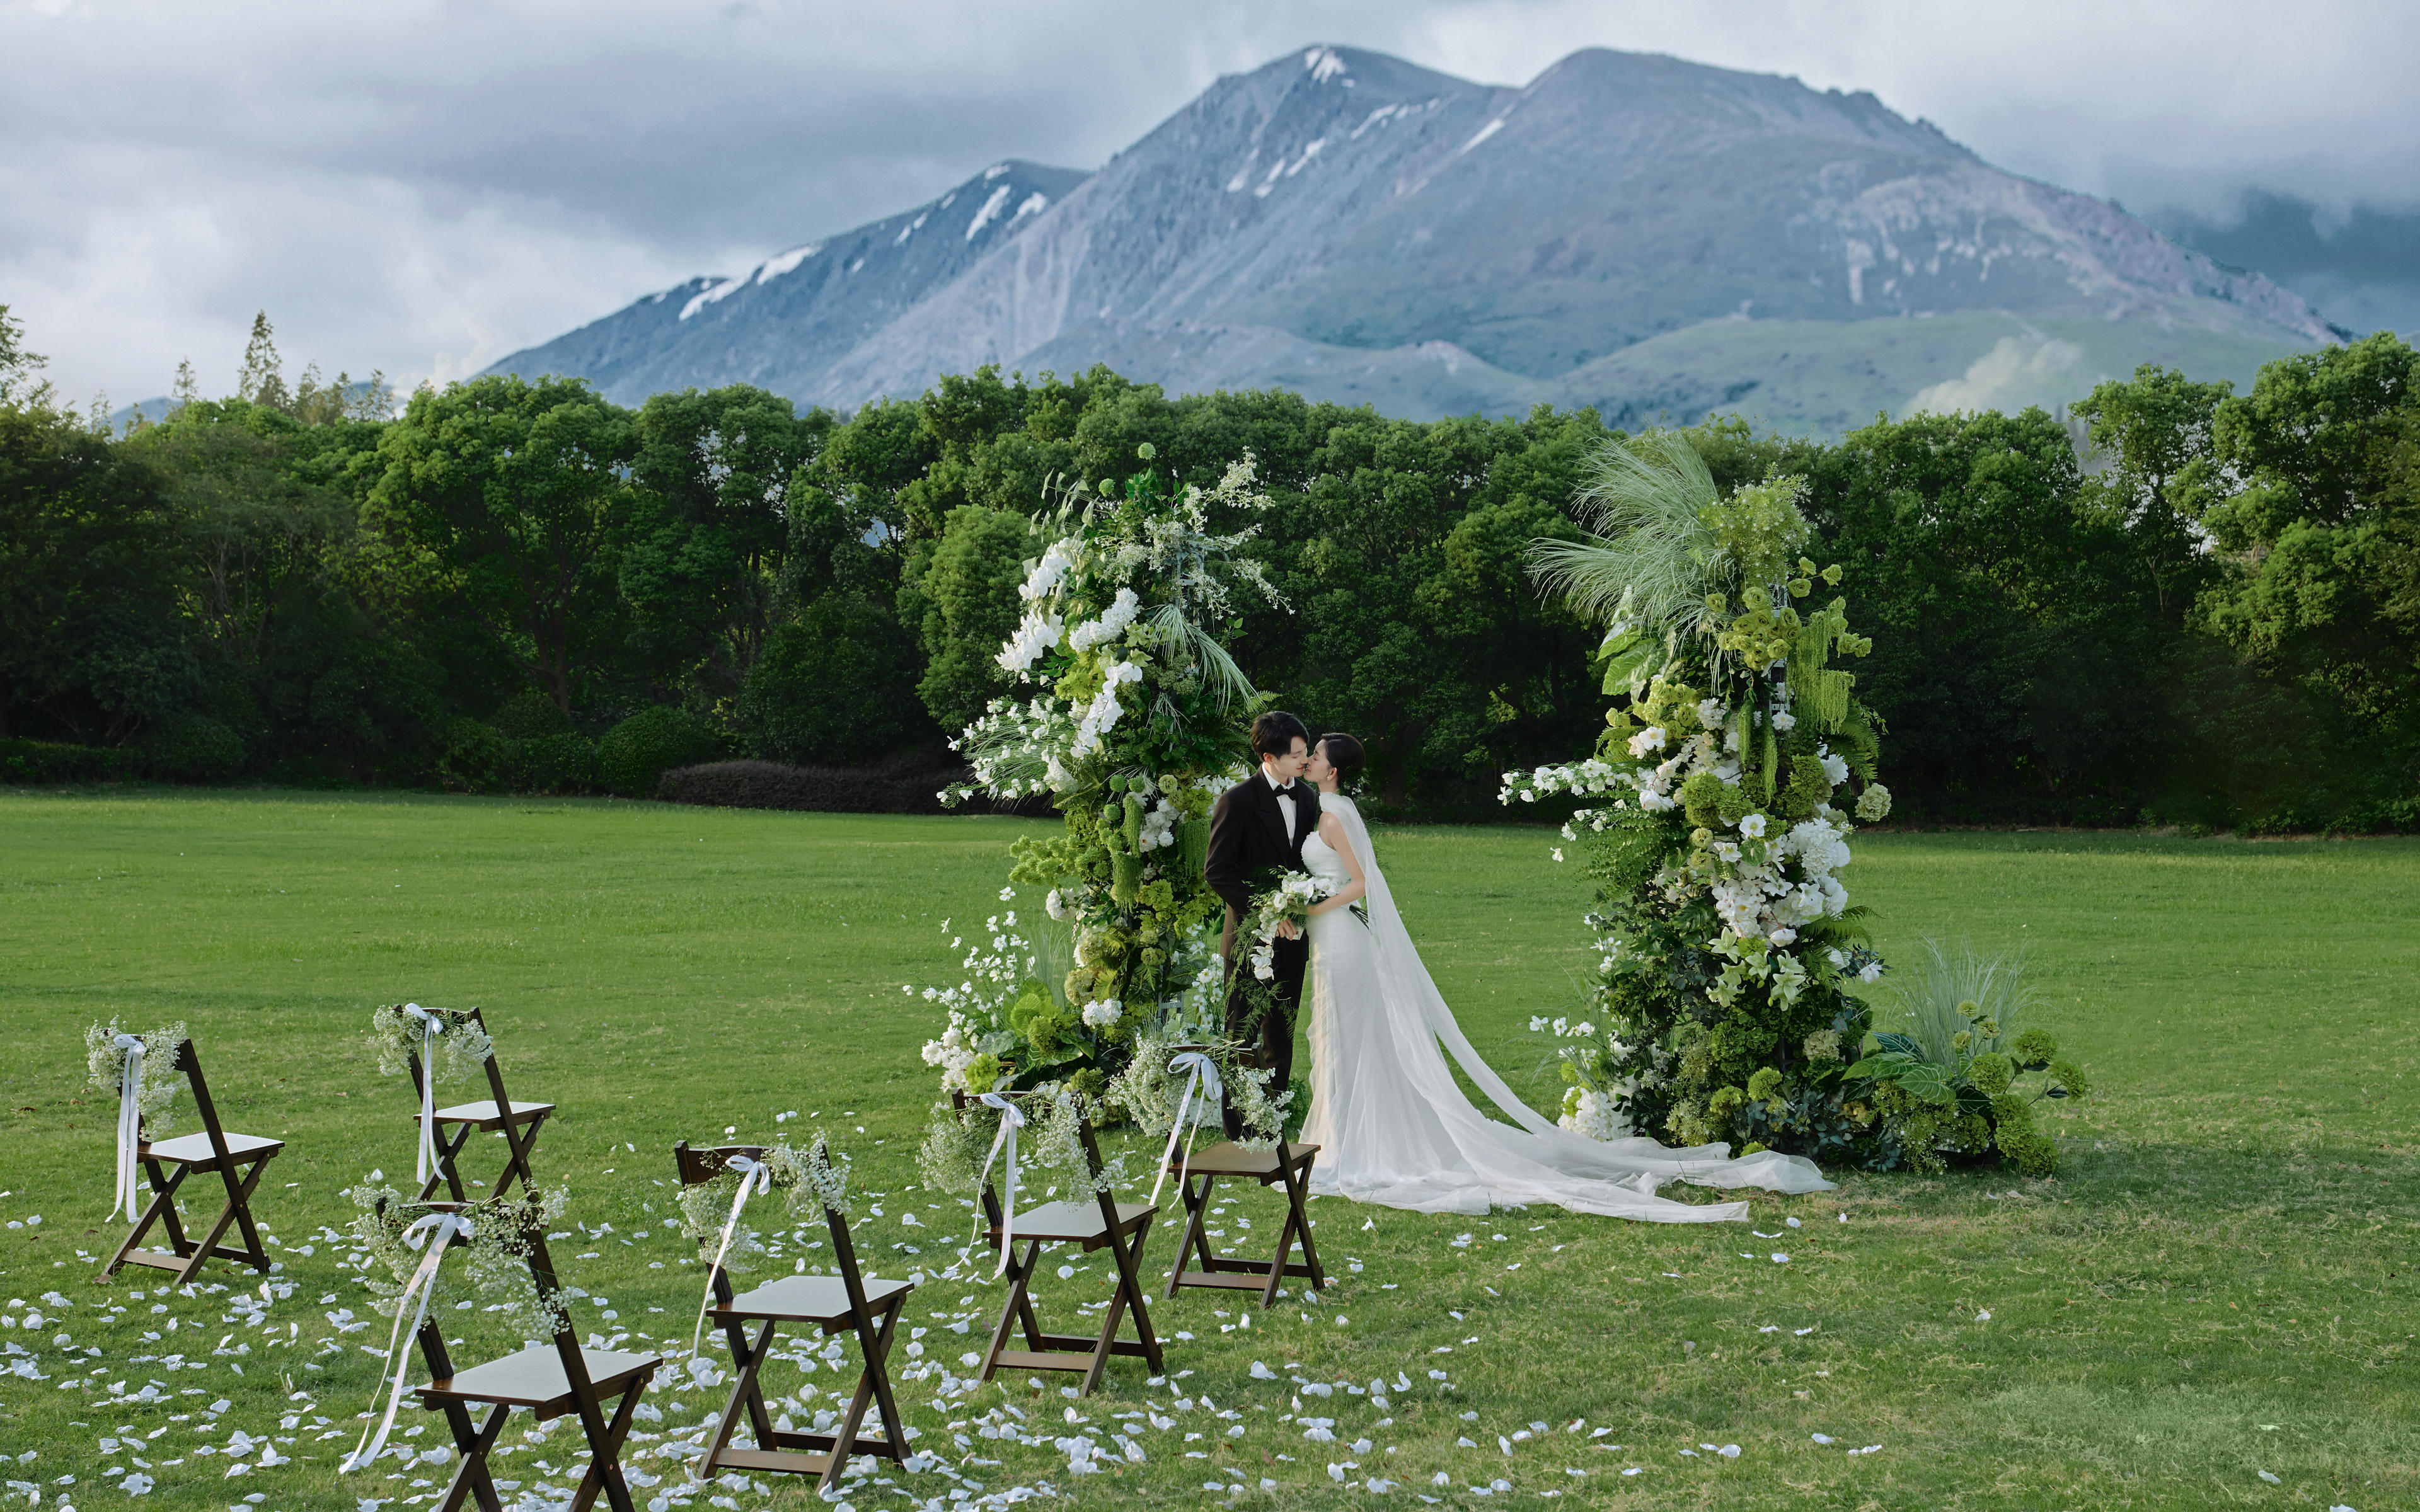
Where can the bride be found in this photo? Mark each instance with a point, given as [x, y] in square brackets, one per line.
[1391, 1126]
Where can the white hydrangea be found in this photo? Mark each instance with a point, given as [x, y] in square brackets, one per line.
[1056, 906]
[1836, 768]
[1820, 847]
[1711, 714]
[1102, 1014]
[1874, 803]
[1597, 1117]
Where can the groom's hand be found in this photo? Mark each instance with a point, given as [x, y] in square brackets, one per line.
[1289, 930]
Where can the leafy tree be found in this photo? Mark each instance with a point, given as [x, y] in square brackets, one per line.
[261, 380]
[19, 386]
[2323, 537]
[835, 686]
[89, 647]
[966, 595]
[700, 561]
[508, 494]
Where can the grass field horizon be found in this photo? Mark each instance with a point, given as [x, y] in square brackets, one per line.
[2217, 1283]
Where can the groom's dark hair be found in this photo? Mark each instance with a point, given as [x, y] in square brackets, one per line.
[1275, 732]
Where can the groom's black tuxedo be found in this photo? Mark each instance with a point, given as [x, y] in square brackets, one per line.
[1248, 834]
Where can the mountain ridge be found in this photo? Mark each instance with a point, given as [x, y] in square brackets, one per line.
[1628, 230]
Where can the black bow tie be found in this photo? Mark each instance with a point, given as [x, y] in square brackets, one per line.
[1285, 792]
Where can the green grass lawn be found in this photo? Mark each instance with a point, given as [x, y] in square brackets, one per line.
[2217, 1283]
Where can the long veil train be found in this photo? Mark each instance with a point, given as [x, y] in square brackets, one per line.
[1394, 1129]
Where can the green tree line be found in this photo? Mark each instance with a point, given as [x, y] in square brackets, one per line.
[2176, 603]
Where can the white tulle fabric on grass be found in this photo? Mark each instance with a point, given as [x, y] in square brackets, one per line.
[1393, 1128]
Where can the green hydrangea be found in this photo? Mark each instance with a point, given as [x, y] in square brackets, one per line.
[2033, 1049]
[1991, 1075]
[2070, 1077]
[1764, 1084]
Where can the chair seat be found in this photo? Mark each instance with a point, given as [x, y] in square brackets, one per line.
[483, 1115]
[1078, 1222]
[1227, 1157]
[535, 1378]
[194, 1148]
[806, 1299]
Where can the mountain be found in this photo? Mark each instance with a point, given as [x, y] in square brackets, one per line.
[1646, 235]
[783, 324]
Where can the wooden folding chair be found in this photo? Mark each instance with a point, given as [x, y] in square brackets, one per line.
[850, 1302]
[550, 1380]
[214, 1150]
[1102, 1223]
[519, 1122]
[1287, 1166]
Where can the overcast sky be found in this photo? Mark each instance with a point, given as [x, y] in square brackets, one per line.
[423, 186]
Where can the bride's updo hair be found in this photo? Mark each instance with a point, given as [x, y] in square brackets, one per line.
[1345, 753]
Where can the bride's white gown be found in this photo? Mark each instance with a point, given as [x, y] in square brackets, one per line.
[1391, 1126]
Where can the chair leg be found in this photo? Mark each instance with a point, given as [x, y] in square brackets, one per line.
[238, 1209]
[471, 1477]
[605, 1452]
[1297, 1195]
[163, 1205]
[745, 1392]
[518, 1148]
[1196, 1214]
[447, 1149]
[1128, 1294]
[872, 1381]
[1020, 1273]
[877, 1366]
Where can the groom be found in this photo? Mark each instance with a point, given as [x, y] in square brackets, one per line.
[1261, 823]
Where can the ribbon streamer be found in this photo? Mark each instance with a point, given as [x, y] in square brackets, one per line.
[442, 1227]
[1011, 1119]
[755, 1177]
[130, 1127]
[430, 1027]
[1204, 1076]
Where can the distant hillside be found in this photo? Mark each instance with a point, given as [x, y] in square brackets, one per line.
[1630, 231]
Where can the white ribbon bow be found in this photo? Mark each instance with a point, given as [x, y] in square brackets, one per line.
[437, 1230]
[1011, 1119]
[755, 1177]
[1204, 1076]
[130, 1127]
[430, 1027]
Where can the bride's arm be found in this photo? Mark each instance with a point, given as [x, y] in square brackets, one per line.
[1331, 829]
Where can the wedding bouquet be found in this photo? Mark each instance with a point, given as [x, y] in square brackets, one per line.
[1283, 897]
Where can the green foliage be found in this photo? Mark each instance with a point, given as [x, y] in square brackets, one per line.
[564, 762]
[43, 762]
[635, 754]
[2053, 641]
[965, 596]
[192, 748]
[511, 493]
[833, 687]
[1948, 1079]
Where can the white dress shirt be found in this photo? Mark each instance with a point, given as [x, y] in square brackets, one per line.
[1285, 802]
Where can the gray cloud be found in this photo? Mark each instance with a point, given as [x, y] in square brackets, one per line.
[425, 185]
